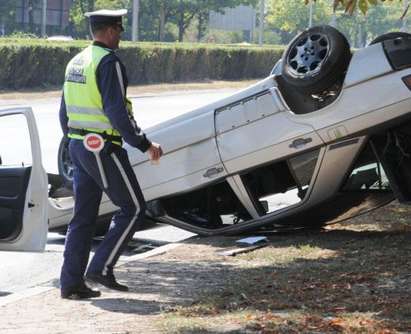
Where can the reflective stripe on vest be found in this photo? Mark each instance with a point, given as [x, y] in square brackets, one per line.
[83, 100]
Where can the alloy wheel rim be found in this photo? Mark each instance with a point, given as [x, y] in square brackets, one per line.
[308, 54]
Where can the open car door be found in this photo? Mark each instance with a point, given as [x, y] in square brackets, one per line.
[23, 183]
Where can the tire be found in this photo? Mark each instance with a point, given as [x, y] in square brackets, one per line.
[390, 35]
[64, 163]
[316, 59]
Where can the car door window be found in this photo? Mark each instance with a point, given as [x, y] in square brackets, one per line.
[212, 207]
[15, 146]
[367, 174]
[282, 183]
[15, 170]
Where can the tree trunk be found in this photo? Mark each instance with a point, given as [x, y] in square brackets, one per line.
[62, 17]
[202, 20]
[162, 22]
[91, 5]
[181, 28]
[30, 10]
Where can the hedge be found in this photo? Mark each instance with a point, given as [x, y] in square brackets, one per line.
[40, 63]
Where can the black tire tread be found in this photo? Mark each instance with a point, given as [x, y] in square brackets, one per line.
[389, 36]
[62, 148]
[333, 69]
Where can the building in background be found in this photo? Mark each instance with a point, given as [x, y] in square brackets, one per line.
[239, 19]
[29, 15]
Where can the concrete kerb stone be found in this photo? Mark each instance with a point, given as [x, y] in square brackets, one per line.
[32, 292]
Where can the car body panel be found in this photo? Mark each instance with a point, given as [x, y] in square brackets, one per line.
[382, 99]
[191, 150]
[260, 86]
[367, 63]
[258, 130]
[333, 168]
[32, 234]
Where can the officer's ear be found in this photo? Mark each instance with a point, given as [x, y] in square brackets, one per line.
[97, 29]
[112, 30]
[115, 29]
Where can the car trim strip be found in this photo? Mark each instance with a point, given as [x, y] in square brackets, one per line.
[344, 143]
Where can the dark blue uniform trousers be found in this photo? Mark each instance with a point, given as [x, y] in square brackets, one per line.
[123, 190]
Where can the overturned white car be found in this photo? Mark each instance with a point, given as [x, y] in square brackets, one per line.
[325, 137]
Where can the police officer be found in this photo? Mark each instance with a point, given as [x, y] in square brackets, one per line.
[96, 115]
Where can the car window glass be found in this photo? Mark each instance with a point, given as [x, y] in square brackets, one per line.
[367, 174]
[281, 184]
[15, 144]
[212, 207]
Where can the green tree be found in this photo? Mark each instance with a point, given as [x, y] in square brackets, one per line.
[288, 17]
[77, 22]
[361, 29]
[155, 15]
[350, 6]
[187, 10]
[204, 7]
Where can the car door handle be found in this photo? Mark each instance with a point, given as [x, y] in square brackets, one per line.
[300, 142]
[213, 171]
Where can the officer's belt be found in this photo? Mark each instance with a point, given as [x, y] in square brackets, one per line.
[105, 136]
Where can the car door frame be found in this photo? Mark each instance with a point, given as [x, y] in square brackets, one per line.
[294, 141]
[33, 233]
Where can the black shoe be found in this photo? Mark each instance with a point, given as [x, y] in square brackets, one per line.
[108, 280]
[81, 291]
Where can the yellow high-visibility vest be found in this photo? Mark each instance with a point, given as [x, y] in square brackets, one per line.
[83, 100]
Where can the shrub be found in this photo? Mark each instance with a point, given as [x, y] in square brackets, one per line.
[32, 63]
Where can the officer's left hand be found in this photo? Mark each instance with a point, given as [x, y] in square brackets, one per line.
[155, 151]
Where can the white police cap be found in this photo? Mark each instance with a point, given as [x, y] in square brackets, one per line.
[107, 13]
[107, 17]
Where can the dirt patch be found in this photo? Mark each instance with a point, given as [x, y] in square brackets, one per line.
[349, 278]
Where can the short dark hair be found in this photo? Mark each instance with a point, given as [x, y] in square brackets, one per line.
[100, 26]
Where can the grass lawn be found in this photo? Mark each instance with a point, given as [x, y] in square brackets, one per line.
[353, 277]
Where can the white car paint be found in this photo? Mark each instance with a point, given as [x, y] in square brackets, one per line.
[33, 233]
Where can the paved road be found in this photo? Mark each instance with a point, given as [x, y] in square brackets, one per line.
[20, 271]
[149, 110]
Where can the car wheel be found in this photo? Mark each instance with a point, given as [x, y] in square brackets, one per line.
[390, 35]
[316, 59]
[65, 165]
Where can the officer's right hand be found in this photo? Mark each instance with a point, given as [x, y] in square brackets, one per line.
[155, 152]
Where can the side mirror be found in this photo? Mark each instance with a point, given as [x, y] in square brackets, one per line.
[1, 162]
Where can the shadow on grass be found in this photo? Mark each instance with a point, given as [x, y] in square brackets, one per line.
[362, 276]
[363, 273]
